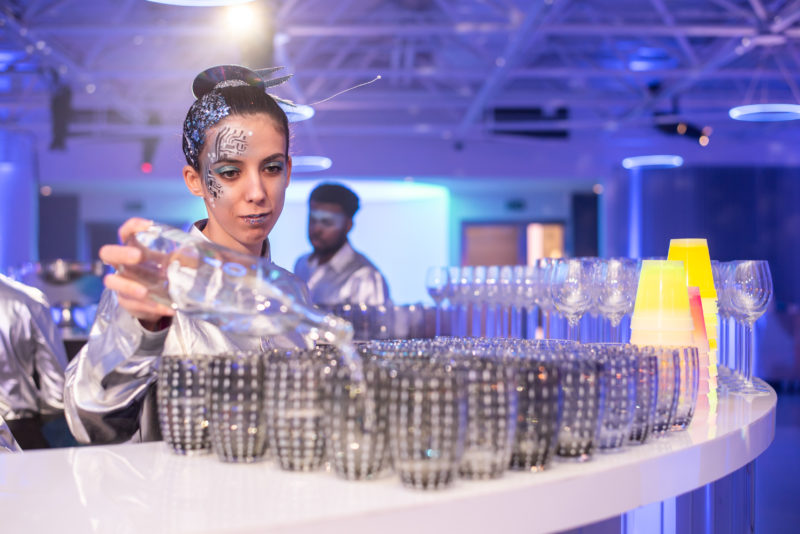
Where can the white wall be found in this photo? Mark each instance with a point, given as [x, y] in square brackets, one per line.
[401, 226]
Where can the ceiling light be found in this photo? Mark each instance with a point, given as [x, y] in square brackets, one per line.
[656, 161]
[310, 163]
[241, 19]
[765, 112]
[200, 3]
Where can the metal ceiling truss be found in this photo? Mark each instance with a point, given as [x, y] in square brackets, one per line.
[446, 65]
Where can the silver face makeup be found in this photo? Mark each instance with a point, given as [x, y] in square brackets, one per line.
[228, 144]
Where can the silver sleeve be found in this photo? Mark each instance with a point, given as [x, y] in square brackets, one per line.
[107, 382]
[7, 441]
[50, 360]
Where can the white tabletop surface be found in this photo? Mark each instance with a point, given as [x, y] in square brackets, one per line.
[144, 488]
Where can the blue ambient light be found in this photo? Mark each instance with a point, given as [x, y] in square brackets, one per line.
[656, 161]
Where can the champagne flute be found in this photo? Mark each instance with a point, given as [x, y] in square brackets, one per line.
[437, 281]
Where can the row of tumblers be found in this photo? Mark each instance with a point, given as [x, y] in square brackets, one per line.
[432, 409]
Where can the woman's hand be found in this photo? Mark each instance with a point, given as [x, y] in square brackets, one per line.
[132, 295]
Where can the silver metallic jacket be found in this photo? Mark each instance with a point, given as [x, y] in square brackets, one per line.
[110, 390]
[7, 441]
[347, 278]
[29, 343]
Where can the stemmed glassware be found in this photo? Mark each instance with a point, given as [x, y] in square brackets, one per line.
[541, 280]
[437, 281]
[749, 292]
[615, 282]
[478, 297]
[571, 291]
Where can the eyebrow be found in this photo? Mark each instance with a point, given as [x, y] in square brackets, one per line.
[231, 158]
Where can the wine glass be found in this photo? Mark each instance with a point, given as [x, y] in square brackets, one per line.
[437, 281]
[615, 290]
[479, 293]
[571, 291]
[750, 293]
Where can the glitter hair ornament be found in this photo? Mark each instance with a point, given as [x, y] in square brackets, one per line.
[211, 107]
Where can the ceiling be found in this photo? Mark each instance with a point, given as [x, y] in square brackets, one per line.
[450, 69]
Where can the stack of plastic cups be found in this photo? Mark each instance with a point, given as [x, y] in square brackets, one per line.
[661, 313]
[695, 257]
[707, 382]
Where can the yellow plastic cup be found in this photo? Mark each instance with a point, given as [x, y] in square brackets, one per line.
[661, 313]
[694, 254]
[662, 300]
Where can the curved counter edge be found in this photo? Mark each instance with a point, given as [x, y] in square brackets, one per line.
[145, 488]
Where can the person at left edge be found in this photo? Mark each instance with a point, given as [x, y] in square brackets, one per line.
[32, 362]
[236, 145]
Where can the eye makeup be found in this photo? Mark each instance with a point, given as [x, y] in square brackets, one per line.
[228, 143]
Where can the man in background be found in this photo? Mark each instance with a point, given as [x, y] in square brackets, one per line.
[334, 272]
[32, 363]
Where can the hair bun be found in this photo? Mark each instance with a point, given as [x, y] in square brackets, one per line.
[209, 78]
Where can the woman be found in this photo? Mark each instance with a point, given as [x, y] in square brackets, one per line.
[236, 143]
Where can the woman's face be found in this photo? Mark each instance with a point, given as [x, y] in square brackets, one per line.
[244, 172]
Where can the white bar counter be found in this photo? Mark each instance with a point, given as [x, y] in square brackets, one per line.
[145, 488]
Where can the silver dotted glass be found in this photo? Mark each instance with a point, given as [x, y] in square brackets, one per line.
[668, 388]
[689, 362]
[646, 397]
[183, 403]
[538, 411]
[357, 419]
[491, 414]
[583, 396]
[427, 422]
[295, 407]
[238, 421]
[619, 370]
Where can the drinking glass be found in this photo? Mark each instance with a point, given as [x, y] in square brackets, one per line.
[667, 387]
[427, 421]
[688, 386]
[491, 411]
[357, 419]
[582, 384]
[238, 425]
[478, 299]
[570, 289]
[750, 294]
[508, 323]
[437, 281]
[620, 372]
[183, 403]
[646, 394]
[295, 407]
[615, 283]
[538, 406]
[542, 281]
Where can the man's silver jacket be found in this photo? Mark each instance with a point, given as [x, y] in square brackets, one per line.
[347, 278]
[110, 389]
[29, 343]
